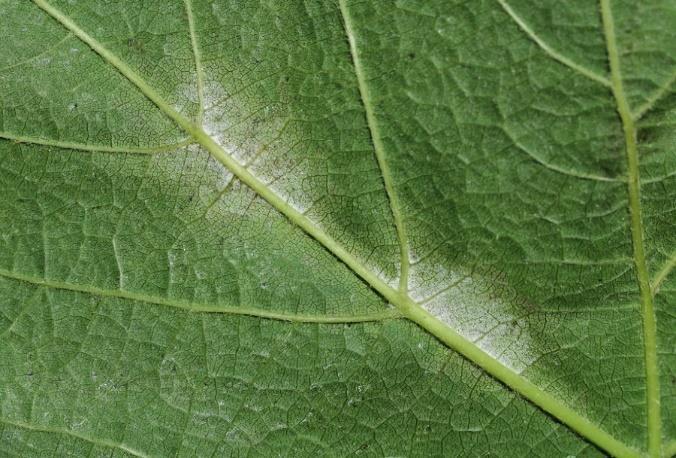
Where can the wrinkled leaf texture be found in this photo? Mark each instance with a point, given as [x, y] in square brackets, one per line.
[341, 227]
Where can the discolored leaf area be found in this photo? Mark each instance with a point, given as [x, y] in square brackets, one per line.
[336, 228]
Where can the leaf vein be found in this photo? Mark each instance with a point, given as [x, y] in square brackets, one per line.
[199, 308]
[637, 234]
[401, 300]
[549, 50]
[663, 273]
[199, 71]
[67, 432]
[378, 145]
[96, 148]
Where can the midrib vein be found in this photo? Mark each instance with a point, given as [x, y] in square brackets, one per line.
[396, 297]
[647, 309]
[199, 308]
[378, 147]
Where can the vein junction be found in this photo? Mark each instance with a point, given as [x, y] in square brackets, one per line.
[398, 297]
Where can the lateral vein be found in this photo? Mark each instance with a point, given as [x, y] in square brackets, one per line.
[637, 235]
[549, 50]
[96, 148]
[200, 308]
[67, 432]
[402, 301]
[654, 98]
[199, 71]
[663, 273]
[378, 146]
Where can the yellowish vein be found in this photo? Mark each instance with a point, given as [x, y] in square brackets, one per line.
[549, 50]
[96, 441]
[634, 189]
[199, 71]
[378, 146]
[96, 148]
[201, 308]
[663, 273]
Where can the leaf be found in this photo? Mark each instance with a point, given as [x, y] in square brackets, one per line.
[332, 228]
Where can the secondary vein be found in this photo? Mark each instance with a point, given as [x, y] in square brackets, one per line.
[199, 72]
[549, 50]
[200, 308]
[378, 147]
[396, 297]
[663, 273]
[637, 235]
[96, 148]
[100, 442]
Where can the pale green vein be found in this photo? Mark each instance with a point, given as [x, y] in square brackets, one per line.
[654, 98]
[200, 308]
[670, 449]
[96, 148]
[67, 432]
[634, 189]
[37, 56]
[378, 146]
[406, 306]
[562, 170]
[199, 72]
[549, 50]
[521, 385]
[663, 273]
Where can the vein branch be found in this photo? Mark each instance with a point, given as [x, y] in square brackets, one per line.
[654, 98]
[49, 429]
[663, 273]
[637, 235]
[200, 308]
[379, 147]
[96, 148]
[551, 51]
[559, 169]
[199, 71]
[407, 307]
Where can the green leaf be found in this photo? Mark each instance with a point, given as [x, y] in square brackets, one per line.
[407, 228]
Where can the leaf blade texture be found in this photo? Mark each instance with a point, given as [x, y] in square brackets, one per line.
[409, 228]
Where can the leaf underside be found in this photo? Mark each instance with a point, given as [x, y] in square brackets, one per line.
[411, 228]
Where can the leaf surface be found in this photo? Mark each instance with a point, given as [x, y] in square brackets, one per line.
[331, 228]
